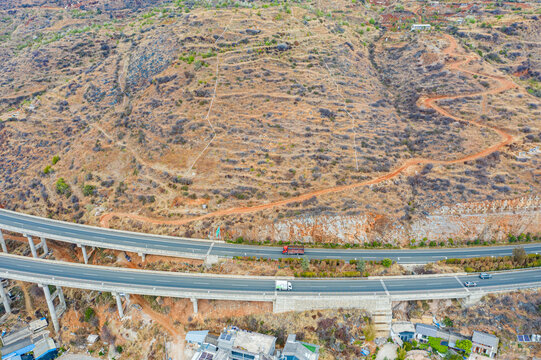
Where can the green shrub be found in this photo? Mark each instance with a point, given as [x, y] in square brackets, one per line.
[239, 240]
[89, 190]
[464, 345]
[63, 188]
[89, 314]
[55, 159]
[47, 169]
[386, 262]
[448, 322]
[305, 264]
[361, 266]
[435, 343]
[351, 274]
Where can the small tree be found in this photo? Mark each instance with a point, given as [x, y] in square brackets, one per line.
[386, 262]
[369, 332]
[448, 322]
[89, 190]
[401, 353]
[89, 314]
[519, 254]
[361, 266]
[63, 188]
[305, 264]
[464, 345]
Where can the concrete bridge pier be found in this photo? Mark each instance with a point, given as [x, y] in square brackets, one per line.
[85, 254]
[62, 301]
[119, 304]
[5, 299]
[194, 302]
[32, 246]
[3, 242]
[52, 310]
[44, 246]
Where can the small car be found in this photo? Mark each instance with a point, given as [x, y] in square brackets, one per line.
[485, 276]
[470, 284]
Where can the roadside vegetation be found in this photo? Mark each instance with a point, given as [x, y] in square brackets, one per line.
[312, 268]
[519, 260]
[413, 243]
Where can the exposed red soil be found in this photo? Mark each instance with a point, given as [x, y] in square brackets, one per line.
[430, 102]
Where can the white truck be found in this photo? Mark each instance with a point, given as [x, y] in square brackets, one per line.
[283, 285]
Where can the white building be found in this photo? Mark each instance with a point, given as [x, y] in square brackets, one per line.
[420, 27]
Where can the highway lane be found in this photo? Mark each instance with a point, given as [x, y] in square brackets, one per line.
[131, 241]
[44, 270]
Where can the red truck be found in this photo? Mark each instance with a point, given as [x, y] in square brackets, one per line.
[293, 250]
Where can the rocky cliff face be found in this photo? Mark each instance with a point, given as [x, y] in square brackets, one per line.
[489, 220]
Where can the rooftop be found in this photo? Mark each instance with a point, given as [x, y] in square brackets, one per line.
[426, 330]
[254, 342]
[196, 336]
[485, 339]
[301, 350]
[402, 326]
[44, 347]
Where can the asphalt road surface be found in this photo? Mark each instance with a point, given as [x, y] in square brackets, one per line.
[43, 270]
[121, 240]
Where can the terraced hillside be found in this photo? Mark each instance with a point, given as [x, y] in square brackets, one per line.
[314, 121]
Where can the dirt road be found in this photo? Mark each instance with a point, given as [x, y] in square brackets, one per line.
[429, 102]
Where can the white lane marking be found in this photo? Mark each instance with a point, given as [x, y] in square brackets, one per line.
[126, 277]
[461, 284]
[163, 281]
[201, 283]
[210, 248]
[384, 287]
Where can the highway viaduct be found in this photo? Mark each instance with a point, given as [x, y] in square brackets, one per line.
[87, 236]
[374, 295]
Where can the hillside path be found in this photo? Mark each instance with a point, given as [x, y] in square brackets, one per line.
[429, 102]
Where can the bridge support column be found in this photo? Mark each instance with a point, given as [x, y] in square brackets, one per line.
[119, 304]
[143, 256]
[32, 246]
[61, 298]
[194, 302]
[51, 307]
[85, 255]
[3, 242]
[44, 246]
[5, 299]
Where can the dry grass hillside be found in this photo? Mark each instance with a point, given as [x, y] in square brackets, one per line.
[272, 120]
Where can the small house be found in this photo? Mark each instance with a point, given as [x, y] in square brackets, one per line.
[196, 337]
[485, 344]
[298, 350]
[420, 27]
[404, 330]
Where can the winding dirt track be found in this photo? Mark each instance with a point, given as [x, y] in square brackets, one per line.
[429, 102]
